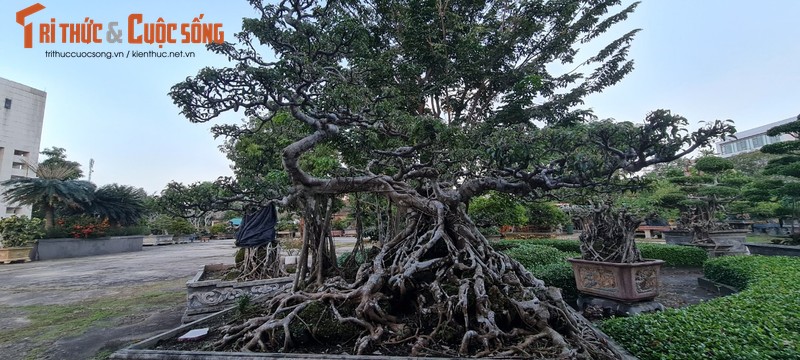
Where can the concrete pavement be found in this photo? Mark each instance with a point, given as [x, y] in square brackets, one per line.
[70, 280]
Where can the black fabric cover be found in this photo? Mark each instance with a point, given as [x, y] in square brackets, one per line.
[258, 228]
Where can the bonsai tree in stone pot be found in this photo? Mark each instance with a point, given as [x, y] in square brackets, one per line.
[704, 193]
[611, 266]
[17, 234]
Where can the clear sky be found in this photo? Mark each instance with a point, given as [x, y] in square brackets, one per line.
[703, 59]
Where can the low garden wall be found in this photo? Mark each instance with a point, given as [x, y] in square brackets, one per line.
[773, 250]
[49, 249]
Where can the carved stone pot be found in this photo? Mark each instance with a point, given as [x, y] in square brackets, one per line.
[209, 296]
[623, 282]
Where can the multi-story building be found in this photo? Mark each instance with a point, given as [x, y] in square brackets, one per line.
[21, 119]
[752, 140]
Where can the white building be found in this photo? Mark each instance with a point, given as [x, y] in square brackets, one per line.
[752, 140]
[21, 120]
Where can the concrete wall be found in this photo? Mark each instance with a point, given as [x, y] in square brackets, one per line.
[773, 250]
[20, 135]
[49, 249]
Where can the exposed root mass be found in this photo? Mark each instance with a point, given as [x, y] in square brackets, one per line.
[435, 289]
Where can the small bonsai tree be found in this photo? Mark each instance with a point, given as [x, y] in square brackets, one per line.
[19, 231]
[704, 192]
[608, 234]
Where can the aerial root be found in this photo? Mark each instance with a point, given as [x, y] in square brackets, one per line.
[438, 295]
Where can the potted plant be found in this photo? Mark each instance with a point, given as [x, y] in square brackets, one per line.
[17, 234]
[611, 265]
[704, 193]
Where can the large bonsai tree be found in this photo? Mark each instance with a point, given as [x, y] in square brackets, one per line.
[431, 104]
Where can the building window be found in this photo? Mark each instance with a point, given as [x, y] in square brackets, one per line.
[11, 210]
[8, 103]
[757, 141]
[21, 153]
[774, 139]
[741, 145]
[727, 148]
[18, 165]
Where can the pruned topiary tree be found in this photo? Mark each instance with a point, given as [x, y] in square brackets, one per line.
[703, 195]
[431, 104]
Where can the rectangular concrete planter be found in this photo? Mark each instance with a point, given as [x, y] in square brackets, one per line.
[623, 282]
[677, 237]
[205, 297]
[49, 249]
[150, 240]
[733, 238]
[773, 249]
[12, 254]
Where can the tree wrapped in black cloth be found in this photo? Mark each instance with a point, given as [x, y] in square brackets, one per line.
[260, 253]
[258, 229]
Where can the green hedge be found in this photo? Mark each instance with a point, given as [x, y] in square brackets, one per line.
[559, 275]
[673, 255]
[760, 322]
[545, 263]
[534, 255]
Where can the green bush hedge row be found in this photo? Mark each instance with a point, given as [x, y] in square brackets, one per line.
[673, 255]
[545, 263]
[760, 322]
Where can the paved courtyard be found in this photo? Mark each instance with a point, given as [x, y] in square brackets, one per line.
[70, 280]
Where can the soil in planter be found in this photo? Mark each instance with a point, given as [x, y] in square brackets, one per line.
[220, 274]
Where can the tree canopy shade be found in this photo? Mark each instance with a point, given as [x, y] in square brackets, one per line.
[432, 104]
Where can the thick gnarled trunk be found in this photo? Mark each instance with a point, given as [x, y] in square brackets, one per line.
[436, 288]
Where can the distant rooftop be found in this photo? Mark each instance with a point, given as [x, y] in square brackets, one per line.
[761, 129]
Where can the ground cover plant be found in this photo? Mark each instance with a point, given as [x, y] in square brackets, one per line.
[760, 322]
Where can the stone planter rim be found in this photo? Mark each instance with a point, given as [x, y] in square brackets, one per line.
[678, 231]
[196, 282]
[645, 262]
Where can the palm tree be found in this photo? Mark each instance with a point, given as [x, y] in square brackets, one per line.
[121, 204]
[52, 187]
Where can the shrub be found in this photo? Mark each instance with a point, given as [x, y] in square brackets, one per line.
[673, 255]
[490, 231]
[559, 275]
[217, 229]
[18, 231]
[85, 227]
[530, 255]
[759, 322]
[563, 245]
[128, 230]
[341, 259]
[545, 263]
